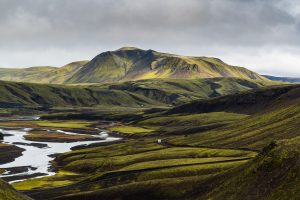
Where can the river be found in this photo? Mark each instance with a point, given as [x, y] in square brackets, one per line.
[35, 161]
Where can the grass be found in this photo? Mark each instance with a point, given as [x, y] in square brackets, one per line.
[8, 193]
[253, 132]
[64, 124]
[185, 124]
[140, 94]
[62, 178]
[175, 162]
[277, 164]
[98, 162]
[131, 130]
[191, 171]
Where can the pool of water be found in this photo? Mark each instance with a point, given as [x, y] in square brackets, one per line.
[37, 160]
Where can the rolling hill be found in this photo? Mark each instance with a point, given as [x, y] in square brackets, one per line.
[43, 74]
[130, 63]
[159, 92]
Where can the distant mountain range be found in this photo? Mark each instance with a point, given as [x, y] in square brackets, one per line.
[283, 79]
[130, 63]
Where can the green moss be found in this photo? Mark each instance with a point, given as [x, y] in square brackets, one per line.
[8, 193]
[62, 178]
[130, 130]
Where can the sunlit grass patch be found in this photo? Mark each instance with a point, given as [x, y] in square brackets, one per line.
[131, 130]
[62, 178]
[64, 124]
[186, 171]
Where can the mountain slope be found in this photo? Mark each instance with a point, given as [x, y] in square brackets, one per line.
[136, 64]
[275, 118]
[8, 193]
[44, 74]
[272, 175]
[139, 93]
[127, 64]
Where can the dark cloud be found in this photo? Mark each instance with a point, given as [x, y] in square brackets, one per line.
[257, 33]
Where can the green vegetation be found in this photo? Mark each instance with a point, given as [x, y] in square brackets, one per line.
[136, 164]
[129, 130]
[137, 64]
[60, 179]
[277, 164]
[183, 139]
[186, 124]
[279, 121]
[41, 74]
[130, 64]
[64, 124]
[8, 193]
[148, 93]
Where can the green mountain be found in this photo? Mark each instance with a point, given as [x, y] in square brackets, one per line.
[130, 63]
[136, 64]
[44, 74]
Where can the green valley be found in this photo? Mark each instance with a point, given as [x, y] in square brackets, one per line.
[184, 128]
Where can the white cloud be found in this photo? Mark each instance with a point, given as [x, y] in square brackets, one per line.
[261, 35]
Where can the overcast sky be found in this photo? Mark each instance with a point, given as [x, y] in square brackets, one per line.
[262, 35]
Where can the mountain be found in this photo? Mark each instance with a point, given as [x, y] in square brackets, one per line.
[42, 74]
[130, 63]
[136, 64]
[159, 92]
[283, 79]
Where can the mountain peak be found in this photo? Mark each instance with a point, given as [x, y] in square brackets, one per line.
[128, 49]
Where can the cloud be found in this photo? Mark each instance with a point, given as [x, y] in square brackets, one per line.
[38, 32]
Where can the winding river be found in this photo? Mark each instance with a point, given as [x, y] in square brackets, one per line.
[35, 161]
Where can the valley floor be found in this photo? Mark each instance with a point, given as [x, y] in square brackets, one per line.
[246, 149]
[143, 162]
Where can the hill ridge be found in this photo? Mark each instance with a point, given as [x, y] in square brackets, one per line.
[130, 64]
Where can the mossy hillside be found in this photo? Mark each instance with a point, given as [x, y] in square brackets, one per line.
[246, 102]
[96, 163]
[137, 64]
[272, 175]
[143, 163]
[26, 94]
[253, 132]
[41, 74]
[182, 90]
[188, 124]
[140, 94]
[8, 193]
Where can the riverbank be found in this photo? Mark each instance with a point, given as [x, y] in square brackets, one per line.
[34, 158]
[8, 153]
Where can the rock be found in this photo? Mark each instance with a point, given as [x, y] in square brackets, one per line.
[1, 136]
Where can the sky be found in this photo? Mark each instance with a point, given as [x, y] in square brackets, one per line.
[262, 35]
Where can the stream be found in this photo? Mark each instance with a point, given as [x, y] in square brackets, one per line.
[35, 161]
